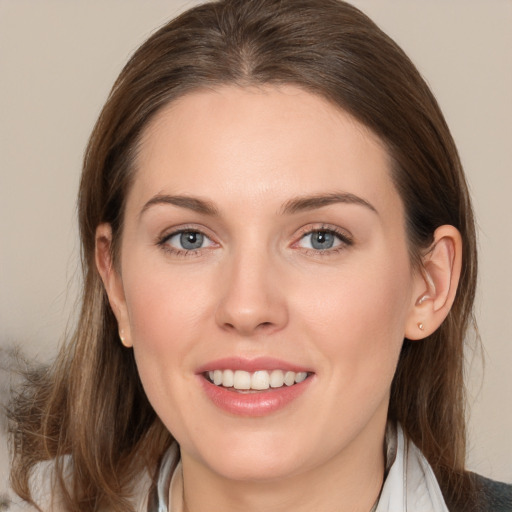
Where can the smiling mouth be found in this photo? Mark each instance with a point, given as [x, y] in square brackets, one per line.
[240, 380]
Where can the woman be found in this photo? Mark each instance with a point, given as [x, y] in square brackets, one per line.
[279, 270]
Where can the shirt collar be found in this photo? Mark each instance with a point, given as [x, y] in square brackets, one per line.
[409, 485]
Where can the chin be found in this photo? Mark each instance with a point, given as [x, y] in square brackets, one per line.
[265, 469]
[256, 458]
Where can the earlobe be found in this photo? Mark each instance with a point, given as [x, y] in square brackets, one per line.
[112, 280]
[436, 283]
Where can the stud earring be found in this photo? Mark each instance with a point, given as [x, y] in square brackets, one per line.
[421, 327]
[121, 336]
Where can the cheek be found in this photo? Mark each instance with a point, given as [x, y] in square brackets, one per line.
[359, 317]
[166, 313]
[164, 305]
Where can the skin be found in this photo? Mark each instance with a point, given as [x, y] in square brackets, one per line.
[257, 288]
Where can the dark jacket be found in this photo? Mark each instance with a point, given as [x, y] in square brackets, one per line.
[493, 496]
[487, 496]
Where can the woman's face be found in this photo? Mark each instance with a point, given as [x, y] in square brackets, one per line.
[264, 240]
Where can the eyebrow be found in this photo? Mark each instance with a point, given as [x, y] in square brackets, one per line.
[190, 203]
[299, 204]
[313, 202]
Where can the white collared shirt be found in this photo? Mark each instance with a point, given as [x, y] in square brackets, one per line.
[410, 484]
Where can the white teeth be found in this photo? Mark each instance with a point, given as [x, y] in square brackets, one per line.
[276, 379]
[259, 380]
[289, 378]
[242, 380]
[300, 376]
[217, 377]
[228, 378]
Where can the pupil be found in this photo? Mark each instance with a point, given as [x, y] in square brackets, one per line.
[191, 240]
[322, 240]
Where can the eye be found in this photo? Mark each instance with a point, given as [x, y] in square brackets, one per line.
[323, 240]
[187, 240]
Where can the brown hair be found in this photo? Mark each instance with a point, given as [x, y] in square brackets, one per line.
[90, 404]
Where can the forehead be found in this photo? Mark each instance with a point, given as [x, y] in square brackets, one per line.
[265, 141]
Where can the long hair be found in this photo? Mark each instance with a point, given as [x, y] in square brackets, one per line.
[90, 404]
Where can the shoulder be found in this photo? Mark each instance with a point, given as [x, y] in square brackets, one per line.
[492, 496]
[47, 495]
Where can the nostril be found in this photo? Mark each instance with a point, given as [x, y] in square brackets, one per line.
[249, 315]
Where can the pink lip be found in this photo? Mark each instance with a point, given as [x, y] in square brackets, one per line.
[251, 365]
[252, 404]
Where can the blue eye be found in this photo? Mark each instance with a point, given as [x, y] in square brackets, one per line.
[321, 240]
[188, 240]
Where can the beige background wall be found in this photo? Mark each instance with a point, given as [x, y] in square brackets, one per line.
[58, 59]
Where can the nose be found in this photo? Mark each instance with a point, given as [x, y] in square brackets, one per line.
[252, 299]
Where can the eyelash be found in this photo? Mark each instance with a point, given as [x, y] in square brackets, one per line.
[162, 242]
[344, 239]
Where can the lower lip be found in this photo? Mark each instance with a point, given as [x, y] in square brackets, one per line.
[253, 404]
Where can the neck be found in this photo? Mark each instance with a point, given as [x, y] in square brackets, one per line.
[349, 481]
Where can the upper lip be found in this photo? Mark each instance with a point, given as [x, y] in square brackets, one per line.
[251, 365]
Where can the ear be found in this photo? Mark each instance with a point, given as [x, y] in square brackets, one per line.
[112, 281]
[436, 284]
